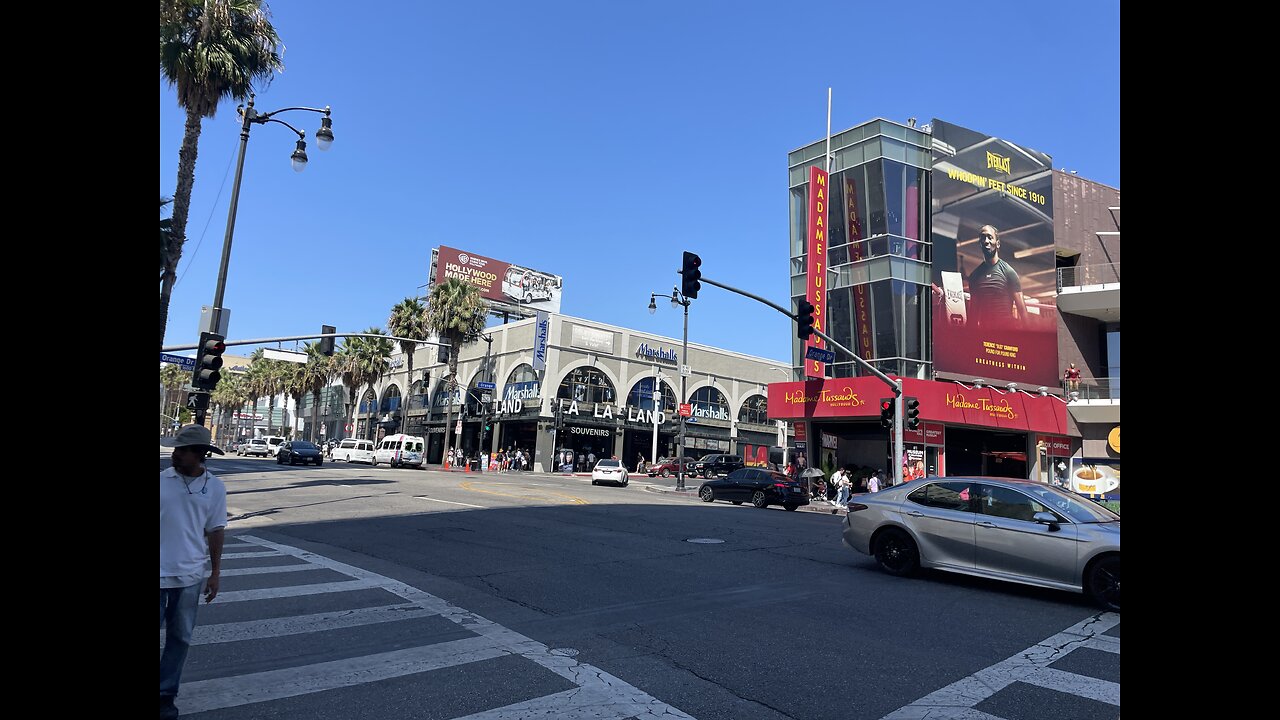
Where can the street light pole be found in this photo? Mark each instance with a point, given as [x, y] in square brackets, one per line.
[324, 138]
[657, 402]
[677, 298]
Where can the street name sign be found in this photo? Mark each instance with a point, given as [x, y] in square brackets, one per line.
[822, 356]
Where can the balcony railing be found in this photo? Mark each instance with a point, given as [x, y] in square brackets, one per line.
[1093, 389]
[1082, 275]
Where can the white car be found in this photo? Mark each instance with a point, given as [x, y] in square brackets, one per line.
[256, 446]
[609, 471]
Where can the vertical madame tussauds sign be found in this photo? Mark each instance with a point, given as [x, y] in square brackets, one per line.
[815, 285]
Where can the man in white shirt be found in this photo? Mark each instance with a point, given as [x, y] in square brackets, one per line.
[193, 515]
[873, 482]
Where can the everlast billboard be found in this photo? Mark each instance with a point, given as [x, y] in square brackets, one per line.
[995, 313]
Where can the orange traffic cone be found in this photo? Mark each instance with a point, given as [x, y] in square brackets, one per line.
[446, 463]
[467, 467]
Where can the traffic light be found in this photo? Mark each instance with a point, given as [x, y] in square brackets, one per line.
[804, 320]
[326, 344]
[913, 413]
[886, 412]
[208, 361]
[690, 275]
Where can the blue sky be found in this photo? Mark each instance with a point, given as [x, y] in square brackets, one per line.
[598, 140]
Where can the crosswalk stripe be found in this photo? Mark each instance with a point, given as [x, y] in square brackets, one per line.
[264, 553]
[575, 704]
[301, 624]
[1031, 666]
[1104, 643]
[235, 690]
[581, 674]
[297, 590]
[1080, 685]
[267, 570]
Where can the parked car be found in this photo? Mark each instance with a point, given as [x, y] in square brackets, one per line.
[353, 450]
[256, 446]
[759, 486]
[666, 467]
[609, 471]
[1019, 530]
[712, 465]
[298, 451]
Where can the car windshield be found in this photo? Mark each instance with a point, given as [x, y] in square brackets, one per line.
[608, 463]
[303, 445]
[1079, 509]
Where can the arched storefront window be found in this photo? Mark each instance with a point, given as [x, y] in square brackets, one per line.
[390, 400]
[755, 410]
[438, 401]
[367, 403]
[587, 384]
[475, 400]
[418, 395]
[523, 381]
[709, 402]
[641, 396]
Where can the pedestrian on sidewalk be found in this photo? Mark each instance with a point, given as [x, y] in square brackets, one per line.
[873, 482]
[193, 515]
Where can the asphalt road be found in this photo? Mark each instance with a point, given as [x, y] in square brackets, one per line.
[424, 594]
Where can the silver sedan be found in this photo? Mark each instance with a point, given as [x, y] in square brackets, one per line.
[1001, 528]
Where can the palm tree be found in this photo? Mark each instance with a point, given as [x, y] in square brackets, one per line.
[293, 383]
[408, 320]
[209, 50]
[317, 374]
[363, 362]
[173, 378]
[456, 312]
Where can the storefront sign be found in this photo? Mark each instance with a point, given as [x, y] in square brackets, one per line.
[713, 412]
[928, 434]
[541, 333]
[816, 268]
[521, 391]
[590, 431]
[940, 402]
[1054, 445]
[604, 411]
[1113, 439]
[657, 354]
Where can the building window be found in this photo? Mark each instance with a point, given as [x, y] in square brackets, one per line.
[641, 396]
[709, 402]
[755, 410]
[390, 400]
[587, 384]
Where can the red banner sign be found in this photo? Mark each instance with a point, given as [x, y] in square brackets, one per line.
[939, 402]
[686, 409]
[816, 272]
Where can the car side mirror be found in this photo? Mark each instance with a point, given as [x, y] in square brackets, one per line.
[1046, 518]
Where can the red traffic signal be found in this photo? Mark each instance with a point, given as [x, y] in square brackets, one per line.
[886, 412]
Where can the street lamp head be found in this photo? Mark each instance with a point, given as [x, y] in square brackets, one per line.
[653, 306]
[324, 136]
[299, 156]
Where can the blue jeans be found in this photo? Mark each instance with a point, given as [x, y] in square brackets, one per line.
[843, 499]
[178, 608]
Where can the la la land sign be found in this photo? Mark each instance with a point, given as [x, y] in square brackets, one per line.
[601, 411]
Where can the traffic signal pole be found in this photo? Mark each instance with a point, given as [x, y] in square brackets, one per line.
[895, 385]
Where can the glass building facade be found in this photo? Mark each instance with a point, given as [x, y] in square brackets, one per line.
[879, 250]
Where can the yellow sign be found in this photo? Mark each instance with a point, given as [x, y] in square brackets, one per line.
[1113, 439]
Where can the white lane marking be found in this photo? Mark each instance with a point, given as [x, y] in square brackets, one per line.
[419, 497]
[264, 553]
[300, 624]
[296, 590]
[612, 692]
[577, 704]
[264, 570]
[1079, 685]
[957, 700]
[236, 690]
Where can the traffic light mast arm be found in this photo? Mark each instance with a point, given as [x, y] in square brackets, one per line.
[260, 341]
[895, 385]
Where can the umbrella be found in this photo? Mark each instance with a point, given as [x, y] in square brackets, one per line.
[812, 472]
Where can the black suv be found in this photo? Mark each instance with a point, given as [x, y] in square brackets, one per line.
[712, 465]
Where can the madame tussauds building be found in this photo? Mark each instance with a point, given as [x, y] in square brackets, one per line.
[604, 391]
[929, 253]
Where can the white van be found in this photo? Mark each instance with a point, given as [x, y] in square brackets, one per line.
[353, 450]
[399, 450]
[273, 443]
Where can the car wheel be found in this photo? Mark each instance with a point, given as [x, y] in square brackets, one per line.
[625, 481]
[791, 507]
[279, 460]
[593, 482]
[759, 500]
[896, 552]
[318, 461]
[666, 473]
[707, 494]
[708, 474]
[373, 462]
[1102, 582]
[293, 460]
[347, 459]
[737, 502]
